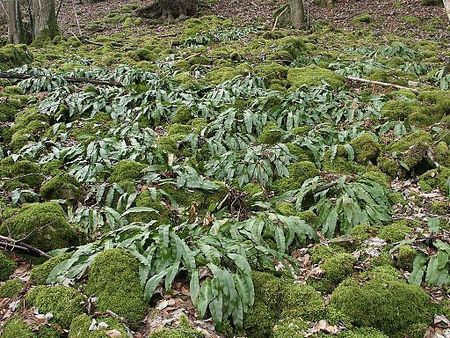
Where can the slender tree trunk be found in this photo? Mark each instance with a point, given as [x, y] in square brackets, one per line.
[45, 23]
[14, 21]
[447, 7]
[297, 13]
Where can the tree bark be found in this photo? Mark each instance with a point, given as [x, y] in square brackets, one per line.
[297, 13]
[14, 21]
[45, 23]
[447, 7]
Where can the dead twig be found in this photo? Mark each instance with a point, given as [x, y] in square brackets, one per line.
[379, 83]
[11, 244]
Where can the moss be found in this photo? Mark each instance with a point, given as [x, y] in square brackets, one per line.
[436, 178]
[442, 154]
[336, 268]
[438, 101]
[146, 199]
[114, 280]
[127, 170]
[291, 46]
[394, 232]
[286, 209]
[12, 56]
[321, 252]
[412, 148]
[43, 225]
[183, 331]
[340, 163]
[388, 165]
[11, 288]
[299, 172]
[394, 304]
[27, 172]
[366, 148]
[440, 207]
[61, 186]
[15, 328]
[396, 197]
[28, 125]
[362, 232]
[302, 301]
[271, 71]
[40, 273]
[312, 76]
[84, 326]
[400, 109]
[7, 267]
[362, 332]
[271, 134]
[63, 302]
[183, 114]
[301, 153]
[185, 197]
[362, 18]
[8, 110]
[404, 257]
[290, 328]
[308, 216]
[259, 320]
[378, 177]
[254, 192]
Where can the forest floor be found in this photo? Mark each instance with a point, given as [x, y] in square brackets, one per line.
[233, 179]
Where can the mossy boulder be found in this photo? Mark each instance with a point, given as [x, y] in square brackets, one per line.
[84, 326]
[366, 148]
[15, 328]
[383, 301]
[299, 172]
[148, 200]
[28, 125]
[301, 301]
[401, 109]
[7, 267]
[436, 179]
[12, 56]
[290, 328]
[362, 232]
[183, 331]
[114, 279]
[442, 154]
[412, 148]
[388, 165]
[63, 302]
[313, 76]
[42, 225]
[127, 170]
[27, 172]
[40, 273]
[362, 332]
[336, 269]
[62, 186]
[394, 232]
[271, 134]
[11, 288]
[404, 257]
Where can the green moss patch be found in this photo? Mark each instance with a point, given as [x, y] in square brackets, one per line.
[7, 267]
[313, 76]
[11, 288]
[84, 326]
[12, 56]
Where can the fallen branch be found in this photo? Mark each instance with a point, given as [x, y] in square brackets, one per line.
[379, 83]
[19, 76]
[8, 243]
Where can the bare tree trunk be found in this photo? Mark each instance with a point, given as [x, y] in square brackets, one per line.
[447, 7]
[297, 13]
[45, 23]
[14, 21]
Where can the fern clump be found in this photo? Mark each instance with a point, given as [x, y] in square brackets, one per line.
[394, 232]
[84, 326]
[366, 148]
[114, 280]
[63, 302]
[384, 302]
[127, 170]
[313, 76]
[43, 225]
[62, 186]
[7, 267]
[11, 288]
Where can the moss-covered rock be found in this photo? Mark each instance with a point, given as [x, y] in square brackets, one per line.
[148, 200]
[299, 172]
[321, 252]
[412, 148]
[62, 302]
[366, 148]
[61, 186]
[436, 179]
[12, 56]
[301, 301]
[42, 225]
[290, 328]
[362, 232]
[11, 288]
[16, 327]
[442, 154]
[384, 302]
[27, 173]
[388, 165]
[183, 331]
[401, 109]
[271, 134]
[40, 273]
[405, 256]
[312, 76]
[362, 332]
[84, 326]
[127, 170]
[336, 269]
[7, 267]
[394, 232]
[114, 280]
